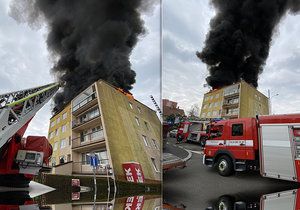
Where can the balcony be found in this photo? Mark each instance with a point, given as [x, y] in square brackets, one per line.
[85, 104]
[231, 104]
[84, 168]
[231, 115]
[82, 124]
[89, 139]
[232, 94]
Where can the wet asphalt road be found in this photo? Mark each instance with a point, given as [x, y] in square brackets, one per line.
[198, 186]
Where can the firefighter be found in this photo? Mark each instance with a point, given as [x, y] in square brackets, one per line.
[179, 139]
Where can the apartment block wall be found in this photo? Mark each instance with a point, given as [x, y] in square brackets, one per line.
[125, 141]
[252, 102]
[212, 104]
[60, 130]
[248, 102]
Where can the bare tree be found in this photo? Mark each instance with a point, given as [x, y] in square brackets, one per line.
[193, 111]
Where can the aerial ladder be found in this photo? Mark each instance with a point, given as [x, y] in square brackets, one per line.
[22, 158]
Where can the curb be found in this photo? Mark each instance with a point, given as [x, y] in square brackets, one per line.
[188, 151]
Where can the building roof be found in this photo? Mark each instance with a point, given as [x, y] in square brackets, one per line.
[167, 111]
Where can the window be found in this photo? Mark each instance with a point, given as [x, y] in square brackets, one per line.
[237, 129]
[63, 128]
[205, 106]
[52, 124]
[145, 140]
[210, 105]
[217, 95]
[55, 146]
[154, 165]
[62, 159]
[63, 143]
[64, 116]
[216, 131]
[101, 155]
[155, 144]
[130, 104]
[56, 132]
[139, 109]
[146, 125]
[215, 113]
[85, 157]
[51, 134]
[137, 121]
[58, 120]
[68, 157]
[53, 161]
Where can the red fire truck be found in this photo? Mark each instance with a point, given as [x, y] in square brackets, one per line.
[268, 143]
[194, 131]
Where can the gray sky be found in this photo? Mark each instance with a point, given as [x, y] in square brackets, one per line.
[25, 62]
[185, 25]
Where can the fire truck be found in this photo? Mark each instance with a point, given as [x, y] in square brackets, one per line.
[287, 200]
[22, 158]
[270, 144]
[193, 131]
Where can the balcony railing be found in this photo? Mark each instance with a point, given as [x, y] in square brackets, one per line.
[79, 122]
[231, 93]
[84, 102]
[230, 114]
[88, 138]
[233, 103]
[84, 167]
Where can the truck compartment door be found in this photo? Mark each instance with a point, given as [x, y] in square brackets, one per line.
[277, 159]
[279, 201]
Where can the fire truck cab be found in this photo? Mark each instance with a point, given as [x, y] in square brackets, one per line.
[269, 143]
[193, 131]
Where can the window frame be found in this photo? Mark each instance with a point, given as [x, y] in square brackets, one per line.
[241, 132]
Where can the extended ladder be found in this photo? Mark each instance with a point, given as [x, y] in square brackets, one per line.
[156, 105]
[17, 108]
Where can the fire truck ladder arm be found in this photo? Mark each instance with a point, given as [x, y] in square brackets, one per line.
[17, 108]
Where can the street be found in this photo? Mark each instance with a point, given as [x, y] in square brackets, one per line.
[198, 186]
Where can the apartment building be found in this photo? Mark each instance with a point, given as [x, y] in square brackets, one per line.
[122, 132]
[234, 101]
[60, 136]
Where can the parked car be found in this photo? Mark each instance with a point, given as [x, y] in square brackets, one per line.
[173, 133]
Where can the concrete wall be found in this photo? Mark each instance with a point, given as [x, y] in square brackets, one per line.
[124, 136]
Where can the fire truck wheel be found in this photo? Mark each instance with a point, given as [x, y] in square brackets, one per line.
[14, 180]
[224, 203]
[225, 166]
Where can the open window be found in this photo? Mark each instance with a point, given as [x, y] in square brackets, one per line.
[216, 131]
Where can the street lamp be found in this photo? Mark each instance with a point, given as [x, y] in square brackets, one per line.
[270, 97]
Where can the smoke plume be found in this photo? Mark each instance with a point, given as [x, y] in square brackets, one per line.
[240, 36]
[90, 40]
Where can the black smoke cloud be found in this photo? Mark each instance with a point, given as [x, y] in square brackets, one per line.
[90, 40]
[239, 39]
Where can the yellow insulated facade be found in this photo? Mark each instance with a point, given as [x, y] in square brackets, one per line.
[234, 101]
[133, 132]
[59, 136]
